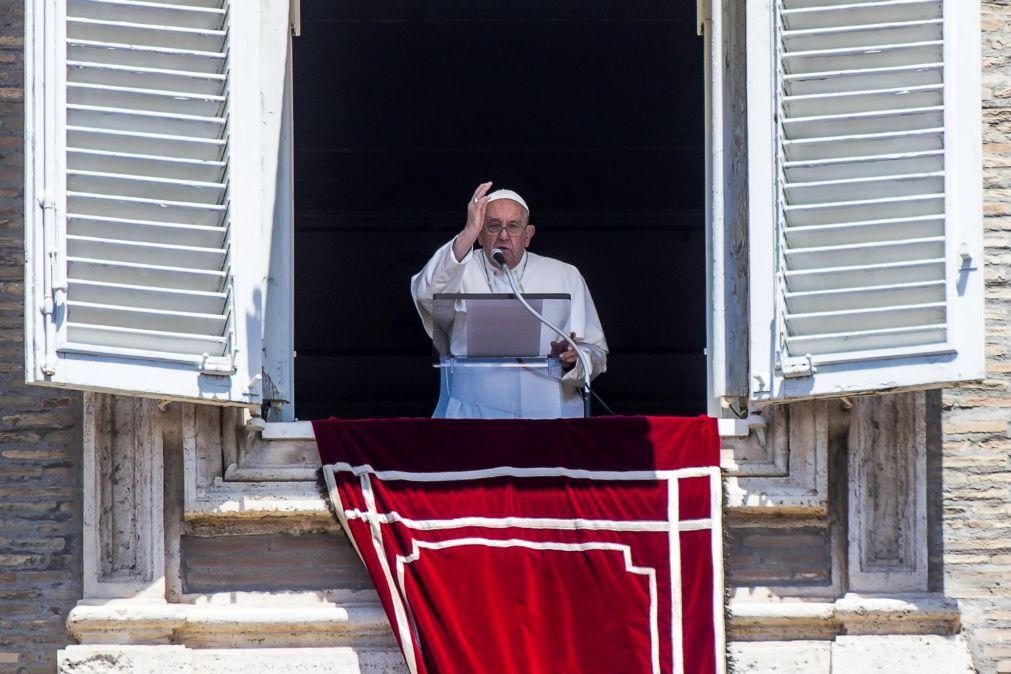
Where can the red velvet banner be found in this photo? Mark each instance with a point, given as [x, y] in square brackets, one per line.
[538, 547]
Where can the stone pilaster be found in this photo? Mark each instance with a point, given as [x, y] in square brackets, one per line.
[124, 539]
[888, 494]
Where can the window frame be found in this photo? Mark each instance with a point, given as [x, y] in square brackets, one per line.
[735, 348]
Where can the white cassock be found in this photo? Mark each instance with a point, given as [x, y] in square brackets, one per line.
[493, 393]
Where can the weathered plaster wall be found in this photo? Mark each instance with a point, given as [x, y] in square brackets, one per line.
[40, 430]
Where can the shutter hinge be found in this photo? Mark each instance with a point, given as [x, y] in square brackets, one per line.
[56, 280]
[218, 366]
[57, 275]
[48, 310]
[796, 367]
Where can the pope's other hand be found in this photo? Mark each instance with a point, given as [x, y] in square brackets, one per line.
[565, 352]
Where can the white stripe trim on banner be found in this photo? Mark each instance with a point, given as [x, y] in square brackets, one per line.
[338, 507]
[512, 471]
[716, 545]
[403, 627]
[674, 549]
[625, 550]
[530, 523]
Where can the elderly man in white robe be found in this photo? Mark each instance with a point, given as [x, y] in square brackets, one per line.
[501, 220]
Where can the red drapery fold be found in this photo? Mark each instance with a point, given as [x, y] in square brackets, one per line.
[537, 547]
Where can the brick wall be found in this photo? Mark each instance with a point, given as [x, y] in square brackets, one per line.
[976, 475]
[40, 443]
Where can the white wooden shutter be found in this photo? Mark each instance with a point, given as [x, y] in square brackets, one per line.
[865, 195]
[145, 254]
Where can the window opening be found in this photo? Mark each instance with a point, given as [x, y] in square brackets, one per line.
[592, 111]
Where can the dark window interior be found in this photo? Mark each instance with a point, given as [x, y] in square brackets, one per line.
[592, 109]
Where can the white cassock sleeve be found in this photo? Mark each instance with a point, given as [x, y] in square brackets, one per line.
[442, 274]
[589, 333]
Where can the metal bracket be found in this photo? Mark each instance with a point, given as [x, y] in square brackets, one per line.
[797, 367]
[218, 366]
[965, 255]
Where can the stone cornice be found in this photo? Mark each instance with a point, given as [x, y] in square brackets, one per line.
[280, 621]
[851, 614]
[230, 626]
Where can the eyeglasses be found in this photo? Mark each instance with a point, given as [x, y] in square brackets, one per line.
[512, 229]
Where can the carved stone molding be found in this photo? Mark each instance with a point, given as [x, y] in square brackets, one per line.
[888, 494]
[786, 466]
[227, 473]
[124, 546]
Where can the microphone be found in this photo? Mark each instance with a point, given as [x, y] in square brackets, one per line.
[498, 255]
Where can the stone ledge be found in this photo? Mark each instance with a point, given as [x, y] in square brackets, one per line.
[848, 655]
[851, 614]
[239, 625]
[258, 499]
[89, 659]
[894, 654]
[910, 654]
[309, 619]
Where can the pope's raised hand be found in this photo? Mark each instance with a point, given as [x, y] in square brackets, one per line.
[475, 221]
[477, 207]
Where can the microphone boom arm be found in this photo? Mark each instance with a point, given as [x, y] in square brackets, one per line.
[584, 360]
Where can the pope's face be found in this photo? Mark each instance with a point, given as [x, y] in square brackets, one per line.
[506, 214]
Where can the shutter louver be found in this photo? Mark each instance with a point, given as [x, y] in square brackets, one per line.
[147, 215]
[145, 257]
[863, 218]
[861, 215]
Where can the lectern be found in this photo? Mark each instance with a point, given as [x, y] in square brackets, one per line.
[494, 357]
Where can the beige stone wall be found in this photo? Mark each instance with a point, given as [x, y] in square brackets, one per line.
[976, 472]
[40, 430]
